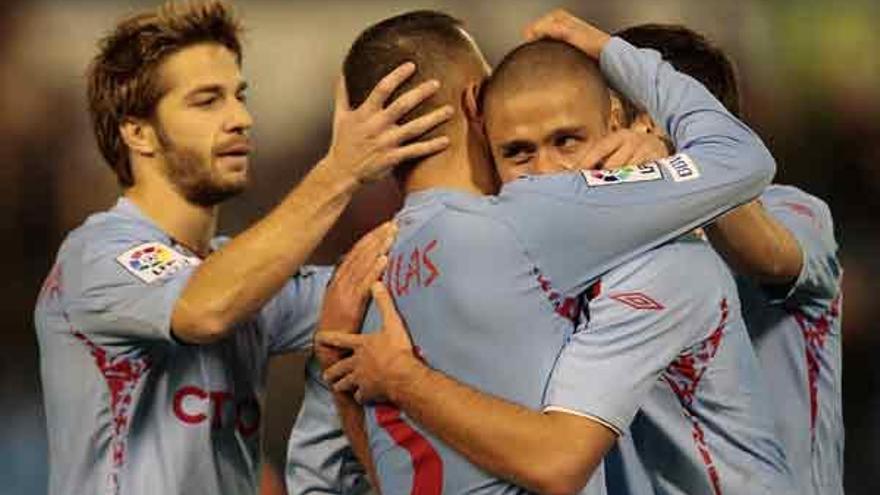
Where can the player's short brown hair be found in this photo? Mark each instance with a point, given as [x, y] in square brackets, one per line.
[690, 53]
[434, 41]
[123, 78]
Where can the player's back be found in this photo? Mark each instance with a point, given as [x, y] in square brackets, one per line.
[796, 331]
[705, 425]
[478, 310]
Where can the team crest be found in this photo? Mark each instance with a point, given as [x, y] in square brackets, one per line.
[628, 174]
[153, 261]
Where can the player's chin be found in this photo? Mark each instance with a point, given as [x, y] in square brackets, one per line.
[232, 164]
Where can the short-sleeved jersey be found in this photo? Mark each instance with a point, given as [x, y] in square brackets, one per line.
[665, 337]
[489, 286]
[131, 410]
[796, 331]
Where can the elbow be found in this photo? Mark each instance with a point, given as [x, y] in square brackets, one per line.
[198, 327]
[764, 165]
[559, 476]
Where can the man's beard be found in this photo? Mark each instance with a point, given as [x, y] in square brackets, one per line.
[198, 182]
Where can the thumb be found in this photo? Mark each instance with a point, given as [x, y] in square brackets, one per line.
[342, 95]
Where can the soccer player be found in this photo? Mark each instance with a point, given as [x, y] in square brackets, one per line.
[783, 250]
[153, 337]
[490, 285]
[677, 346]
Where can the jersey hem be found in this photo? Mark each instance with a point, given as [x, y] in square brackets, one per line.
[617, 431]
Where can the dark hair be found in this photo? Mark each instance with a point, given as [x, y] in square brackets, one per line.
[434, 41]
[429, 39]
[123, 77]
[693, 54]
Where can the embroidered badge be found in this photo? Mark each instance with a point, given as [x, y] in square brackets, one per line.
[628, 174]
[154, 261]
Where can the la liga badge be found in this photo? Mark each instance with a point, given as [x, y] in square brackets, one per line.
[153, 261]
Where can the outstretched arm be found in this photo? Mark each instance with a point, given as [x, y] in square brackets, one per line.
[237, 280]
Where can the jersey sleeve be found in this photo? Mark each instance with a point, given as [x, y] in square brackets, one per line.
[809, 220]
[290, 317]
[319, 457]
[611, 216]
[120, 289]
[646, 314]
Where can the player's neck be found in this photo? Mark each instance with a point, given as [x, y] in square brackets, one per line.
[187, 223]
[463, 166]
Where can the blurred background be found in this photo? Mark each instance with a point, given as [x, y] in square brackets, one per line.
[809, 69]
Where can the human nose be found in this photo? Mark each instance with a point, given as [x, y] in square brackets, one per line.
[240, 120]
[550, 161]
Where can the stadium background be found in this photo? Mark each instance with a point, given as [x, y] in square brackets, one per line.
[811, 80]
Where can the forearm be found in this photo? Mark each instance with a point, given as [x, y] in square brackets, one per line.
[546, 453]
[756, 245]
[697, 123]
[351, 415]
[238, 279]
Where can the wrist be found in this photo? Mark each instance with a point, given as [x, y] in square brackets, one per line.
[332, 174]
[409, 374]
[592, 42]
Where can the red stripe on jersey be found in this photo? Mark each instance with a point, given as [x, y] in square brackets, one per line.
[426, 463]
[815, 334]
[567, 307]
[683, 376]
[122, 374]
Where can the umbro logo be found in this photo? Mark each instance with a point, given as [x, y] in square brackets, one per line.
[637, 300]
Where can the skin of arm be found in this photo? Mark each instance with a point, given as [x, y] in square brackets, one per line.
[756, 245]
[752, 242]
[552, 452]
[234, 282]
[342, 311]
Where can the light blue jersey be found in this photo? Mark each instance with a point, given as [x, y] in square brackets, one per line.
[491, 287]
[665, 338]
[796, 331]
[129, 409]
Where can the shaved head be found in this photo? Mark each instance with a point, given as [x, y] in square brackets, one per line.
[543, 106]
[535, 65]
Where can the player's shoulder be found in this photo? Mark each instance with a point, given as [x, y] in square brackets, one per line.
[476, 220]
[687, 265]
[110, 229]
[797, 201]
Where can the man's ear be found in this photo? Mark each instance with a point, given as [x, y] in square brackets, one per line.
[139, 135]
[471, 103]
[616, 115]
[644, 123]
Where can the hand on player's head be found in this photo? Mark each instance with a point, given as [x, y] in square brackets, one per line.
[561, 25]
[368, 141]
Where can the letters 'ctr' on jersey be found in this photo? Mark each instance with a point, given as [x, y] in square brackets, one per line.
[129, 409]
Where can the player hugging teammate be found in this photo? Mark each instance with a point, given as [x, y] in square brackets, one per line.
[630, 310]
